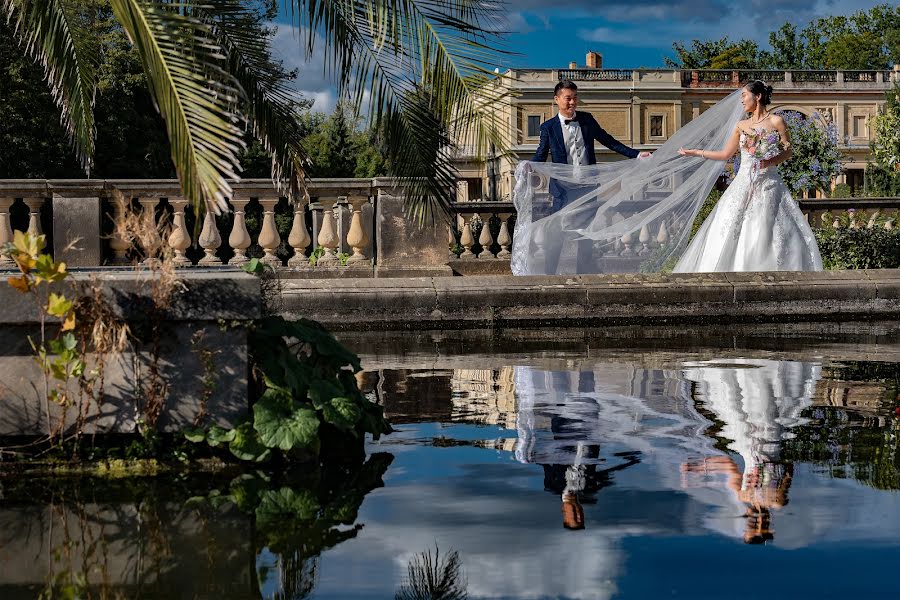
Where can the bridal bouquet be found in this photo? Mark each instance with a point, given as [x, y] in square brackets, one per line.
[763, 145]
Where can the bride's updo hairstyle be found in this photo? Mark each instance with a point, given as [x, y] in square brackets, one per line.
[759, 88]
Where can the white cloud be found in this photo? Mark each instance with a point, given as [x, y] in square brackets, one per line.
[288, 44]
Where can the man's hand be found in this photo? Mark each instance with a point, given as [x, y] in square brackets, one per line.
[645, 155]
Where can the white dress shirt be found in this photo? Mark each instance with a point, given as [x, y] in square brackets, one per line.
[574, 141]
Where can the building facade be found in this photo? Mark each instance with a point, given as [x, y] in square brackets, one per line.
[644, 107]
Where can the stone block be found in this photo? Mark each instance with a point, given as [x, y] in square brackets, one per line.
[405, 245]
[76, 231]
[204, 368]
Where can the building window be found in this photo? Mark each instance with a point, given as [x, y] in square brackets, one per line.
[534, 125]
[475, 188]
[657, 126]
[859, 126]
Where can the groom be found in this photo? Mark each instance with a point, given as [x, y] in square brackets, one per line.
[569, 139]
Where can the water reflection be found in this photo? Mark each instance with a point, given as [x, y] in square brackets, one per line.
[256, 535]
[758, 403]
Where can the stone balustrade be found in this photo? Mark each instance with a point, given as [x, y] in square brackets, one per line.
[334, 233]
[349, 228]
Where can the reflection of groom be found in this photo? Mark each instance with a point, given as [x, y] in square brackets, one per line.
[568, 138]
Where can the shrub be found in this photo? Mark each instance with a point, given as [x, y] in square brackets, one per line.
[862, 248]
[815, 158]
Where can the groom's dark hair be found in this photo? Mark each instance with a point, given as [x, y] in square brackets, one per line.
[565, 84]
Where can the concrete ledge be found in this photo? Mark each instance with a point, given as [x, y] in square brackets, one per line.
[505, 301]
[202, 295]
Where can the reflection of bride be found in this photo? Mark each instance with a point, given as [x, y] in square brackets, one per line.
[583, 428]
[758, 402]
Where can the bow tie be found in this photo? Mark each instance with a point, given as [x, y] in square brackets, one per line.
[572, 120]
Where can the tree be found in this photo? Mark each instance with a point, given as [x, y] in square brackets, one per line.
[883, 175]
[209, 72]
[715, 54]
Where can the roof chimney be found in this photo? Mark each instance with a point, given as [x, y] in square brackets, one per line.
[573, 65]
[594, 60]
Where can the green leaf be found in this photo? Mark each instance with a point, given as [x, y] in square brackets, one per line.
[343, 413]
[194, 93]
[194, 434]
[69, 342]
[57, 305]
[246, 444]
[219, 435]
[277, 506]
[280, 425]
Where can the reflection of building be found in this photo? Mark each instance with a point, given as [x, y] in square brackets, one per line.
[642, 108]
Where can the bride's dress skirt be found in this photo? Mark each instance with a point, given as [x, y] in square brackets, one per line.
[756, 226]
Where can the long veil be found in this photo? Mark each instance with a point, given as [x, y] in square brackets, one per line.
[621, 217]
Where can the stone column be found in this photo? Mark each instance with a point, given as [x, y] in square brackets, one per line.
[268, 234]
[148, 209]
[34, 216]
[210, 239]
[503, 238]
[485, 238]
[467, 240]
[118, 245]
[357, 237]
[328, 239]
[239, 239]
[299, 238]
[6, 234]
[179, 238]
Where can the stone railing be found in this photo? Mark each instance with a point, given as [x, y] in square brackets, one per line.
[860, 212]
[345, 221]
[597, 74]
[700, 78]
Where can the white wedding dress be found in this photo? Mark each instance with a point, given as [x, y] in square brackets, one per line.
[755, 226]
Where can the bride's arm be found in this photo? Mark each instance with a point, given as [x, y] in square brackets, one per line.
[778, 123]
[731, 146]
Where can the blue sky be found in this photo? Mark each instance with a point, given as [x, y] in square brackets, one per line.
[629, 34]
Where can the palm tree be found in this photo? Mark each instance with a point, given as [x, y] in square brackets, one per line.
[425, 63]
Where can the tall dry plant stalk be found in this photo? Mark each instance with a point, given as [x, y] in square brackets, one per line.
[142, 230]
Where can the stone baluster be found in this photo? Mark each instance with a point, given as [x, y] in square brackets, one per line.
[328, 238]
[485, 238]
[6, 234]
[467, 240]
[872, 219]
[148, 212]
[503, 238]
[357, 237]
[118, 245]
[210, 239]
[644, 238]
[627, 241]
[179, 238]
[451, 243]
[889, 224]
[269, 239]
[239, 239]
[34, 205]
[853, 223]
[662, 238]
[298, 238]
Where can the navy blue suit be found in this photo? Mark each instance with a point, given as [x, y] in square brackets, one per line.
[553, 143]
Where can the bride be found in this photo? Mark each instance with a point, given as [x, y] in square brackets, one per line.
[636, 215]
[756, 225]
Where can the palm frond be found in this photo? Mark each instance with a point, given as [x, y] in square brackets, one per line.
[424, 62]
[196, 96]
[53, 33]
[272, 105]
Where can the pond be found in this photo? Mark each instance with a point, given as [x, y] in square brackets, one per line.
[623, 462]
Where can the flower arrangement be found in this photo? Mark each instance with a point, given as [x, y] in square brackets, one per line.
[815, 158]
